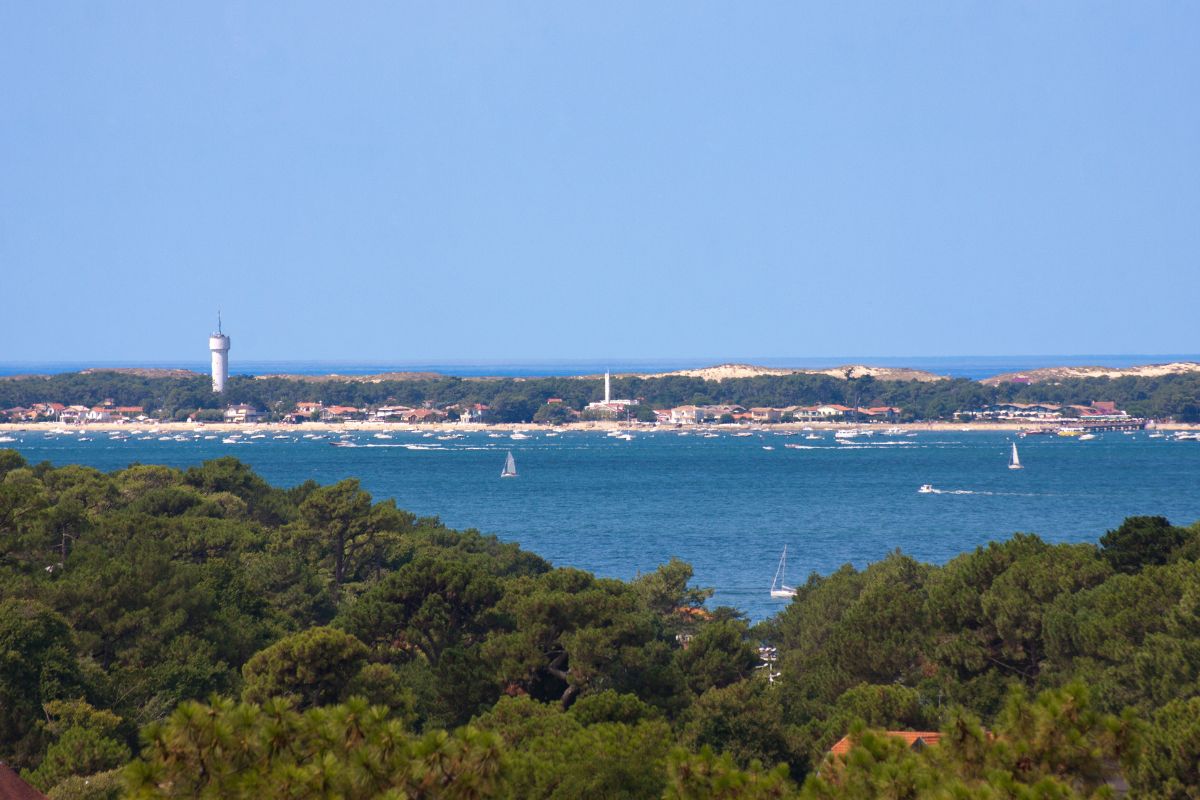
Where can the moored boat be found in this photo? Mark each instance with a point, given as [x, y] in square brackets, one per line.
[779, 589]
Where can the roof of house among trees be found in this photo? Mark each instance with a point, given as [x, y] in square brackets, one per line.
[13, 788]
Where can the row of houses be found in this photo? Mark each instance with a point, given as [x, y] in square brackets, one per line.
[1097, 410]
[462, 412]
[314, 411]
[75, 414]
[699, 415]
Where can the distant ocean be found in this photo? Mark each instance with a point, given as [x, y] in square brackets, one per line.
[974, 367]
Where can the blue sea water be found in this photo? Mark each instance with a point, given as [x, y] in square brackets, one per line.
[974, 367]
[724, 504]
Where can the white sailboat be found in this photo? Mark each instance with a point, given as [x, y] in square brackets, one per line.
[779, 589]
[510, 467]
[1014, 461]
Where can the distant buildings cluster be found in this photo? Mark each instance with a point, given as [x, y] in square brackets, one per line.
[1097, 410]
[108, 411]
[612, 409]
[700, 415]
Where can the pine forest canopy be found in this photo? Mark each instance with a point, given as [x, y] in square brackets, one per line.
[201, 633]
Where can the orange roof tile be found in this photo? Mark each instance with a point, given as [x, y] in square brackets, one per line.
[910, 738]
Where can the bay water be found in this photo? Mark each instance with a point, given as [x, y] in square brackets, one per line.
[727, 505]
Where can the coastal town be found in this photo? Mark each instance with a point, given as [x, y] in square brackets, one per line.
[1033, 417]
[608, 411]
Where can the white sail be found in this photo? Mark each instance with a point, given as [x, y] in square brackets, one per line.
[778, 587]
[1015, 461]
[510, 467]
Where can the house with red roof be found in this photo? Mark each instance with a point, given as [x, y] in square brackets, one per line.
[914, 739]
[13, 787]
[338, 413]
[417, 416]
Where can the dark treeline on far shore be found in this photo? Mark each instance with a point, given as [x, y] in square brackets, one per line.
[519, 399]
[201, 633]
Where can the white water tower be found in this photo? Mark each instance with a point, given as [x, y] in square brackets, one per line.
[218, 343]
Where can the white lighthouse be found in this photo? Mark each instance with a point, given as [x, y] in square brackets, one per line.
[218, 343]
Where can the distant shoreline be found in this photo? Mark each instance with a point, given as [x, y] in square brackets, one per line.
[598, 426]
[978, 368]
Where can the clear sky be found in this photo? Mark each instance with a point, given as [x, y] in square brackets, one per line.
[423, 181]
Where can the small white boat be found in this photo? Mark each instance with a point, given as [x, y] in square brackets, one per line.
[518, 435]
[510, 467]
[383, 436]
[926, 488]
[1087, 437]
[779, 589]
[813, 437]
[1014, 461]
[845, 434]
[768, 447]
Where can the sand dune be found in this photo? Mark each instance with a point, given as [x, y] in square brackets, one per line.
[1064, 373]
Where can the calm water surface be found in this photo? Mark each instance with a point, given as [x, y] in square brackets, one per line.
[725, 504]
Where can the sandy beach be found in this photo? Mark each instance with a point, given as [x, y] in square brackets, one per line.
[444, 427]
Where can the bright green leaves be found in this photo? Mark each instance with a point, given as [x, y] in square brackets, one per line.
[352, 751]
[312, 667]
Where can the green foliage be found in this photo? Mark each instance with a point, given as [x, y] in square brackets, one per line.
[1133, 637]
[666, 591]
[101, 786]
[609, 706]
[86, 742]
[720, 654]
[746, 721]
[1169, 767]
[351, 751]
[554, 414]
[313, 668]
[708, 776]
[610, 760]
[1141, 542]
[37, 665]
[1055, 746]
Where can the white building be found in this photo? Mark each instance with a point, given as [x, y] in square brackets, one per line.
[242, 413]
[609, 405]
[218, 343]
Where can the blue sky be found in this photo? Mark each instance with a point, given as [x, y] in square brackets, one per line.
[414, 182]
